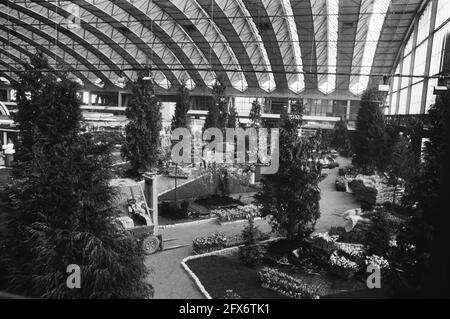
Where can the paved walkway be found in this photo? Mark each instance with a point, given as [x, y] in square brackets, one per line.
[168, 278]
[171, 281]
[333, 203]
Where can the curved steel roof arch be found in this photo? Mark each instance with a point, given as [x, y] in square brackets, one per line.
[321, 46]
[148, 42]
[62, 38]
[217, 16]
[70, 56]
[93, 41]
[217, 41]
[247, 41]
[155, 19]
[8, 71]
[7, 45]
[281, 16]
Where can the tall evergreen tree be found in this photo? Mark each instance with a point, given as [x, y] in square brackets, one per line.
[291, 196]
[180, 118]
[55, 113]
[255, 114]
[401, 169]
[423, 252]
[369, 138]
[233, 120]
[61, 211]
[341, 138]
[142, 141]
[218, 110]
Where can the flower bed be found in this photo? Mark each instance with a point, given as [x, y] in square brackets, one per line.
[342, 266]
[353, 252]
[287, 285]
[378, 261]
[324, 242]
[209, 243]
[237, 213]
[219, 241]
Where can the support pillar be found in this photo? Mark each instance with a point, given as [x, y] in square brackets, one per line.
[347, 112]
[119, 99]
[151, 195]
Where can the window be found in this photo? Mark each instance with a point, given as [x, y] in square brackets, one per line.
[424, 24]
[416, 98]
[394, 100]
[408, 46]
[403, 101]
[243, 105]
[420, 61]
[443, 12]
[406, 71]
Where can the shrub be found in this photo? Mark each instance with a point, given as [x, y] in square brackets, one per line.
[252, 253]
[287, 285]
[356, 236]
[342, 171]
[341, 184]
[325, 242]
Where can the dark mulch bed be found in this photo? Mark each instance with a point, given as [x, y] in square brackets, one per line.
[219, 273]
[215, 201]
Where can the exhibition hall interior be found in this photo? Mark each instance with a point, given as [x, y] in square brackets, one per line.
[224, 149]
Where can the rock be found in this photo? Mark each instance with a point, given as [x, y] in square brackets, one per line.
[341, 184]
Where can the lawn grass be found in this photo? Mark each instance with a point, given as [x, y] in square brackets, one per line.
[220, 273]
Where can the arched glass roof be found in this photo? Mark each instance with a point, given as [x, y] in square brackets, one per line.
[255, 46]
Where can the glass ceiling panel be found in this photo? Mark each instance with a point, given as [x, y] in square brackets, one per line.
[378, 14]
[326, 35]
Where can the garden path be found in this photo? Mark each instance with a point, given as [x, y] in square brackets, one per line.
[171, 281]
[333, 203]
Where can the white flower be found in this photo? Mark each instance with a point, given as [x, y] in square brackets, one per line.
[343, 262]
[392, 243]
[378, 261]
[326, 237]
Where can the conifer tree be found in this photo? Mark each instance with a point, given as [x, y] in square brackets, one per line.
[423, 244]
[142, 140]
[180, 118]
[369, 138]
[218, 111]
[61, 211]
[232, 117]
[291, 196]
[255, 114]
